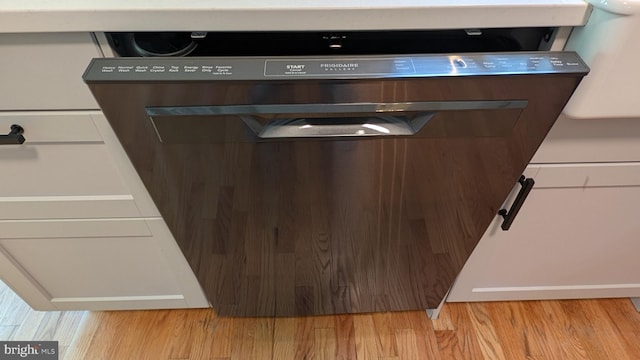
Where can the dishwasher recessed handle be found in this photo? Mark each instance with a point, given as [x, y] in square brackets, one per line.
[382, 125]
[334, 119]
[14, 137]
[510, 216]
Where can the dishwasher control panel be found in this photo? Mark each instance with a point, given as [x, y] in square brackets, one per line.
[260, 68]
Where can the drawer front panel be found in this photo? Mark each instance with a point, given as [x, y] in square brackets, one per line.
[103, 264]
[51, 127]
[43, 71]
[585, 175]
[591, 140]
[50, 229]
[61, 181]
[76, 207]
[63, 170]
[565, 243]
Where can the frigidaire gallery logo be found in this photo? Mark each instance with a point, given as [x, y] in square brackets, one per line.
[31, 350]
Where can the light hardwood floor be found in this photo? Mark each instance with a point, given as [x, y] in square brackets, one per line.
[536, 330]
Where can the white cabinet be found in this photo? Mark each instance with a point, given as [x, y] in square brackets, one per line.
[95, 264]
[578, 233]
[577, 236]
[90, 264]
[75, 233]
[591, 140]
[63, 170]
[78, 230]
[44, 71]
[70, 166]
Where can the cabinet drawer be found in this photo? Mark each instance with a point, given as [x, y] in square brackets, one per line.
[63, 170]
[118, 260]
[564, 243]
[574, 237]
[44, 71]
[51, 127]
[591, 140]
[54, 229]
[585, 175]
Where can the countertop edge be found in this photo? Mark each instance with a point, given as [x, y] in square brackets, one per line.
[378, 18]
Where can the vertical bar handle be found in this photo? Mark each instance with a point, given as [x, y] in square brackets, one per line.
[14, 137]
[510, 216]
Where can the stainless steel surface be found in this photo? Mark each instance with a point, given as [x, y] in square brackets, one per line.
[331, 120]
[350, 67]
[435, 312]
[316, 225]
[338, 127]
[198, 34]
[333, 108]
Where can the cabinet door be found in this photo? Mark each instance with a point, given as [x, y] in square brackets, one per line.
[63, 170]
[95, 265]
[43, 71]
[566, 242]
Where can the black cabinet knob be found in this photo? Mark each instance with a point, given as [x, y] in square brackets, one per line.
[14, 137]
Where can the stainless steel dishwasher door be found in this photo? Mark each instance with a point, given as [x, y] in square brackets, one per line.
[300, 190]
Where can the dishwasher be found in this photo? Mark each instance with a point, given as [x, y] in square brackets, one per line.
[311, 173]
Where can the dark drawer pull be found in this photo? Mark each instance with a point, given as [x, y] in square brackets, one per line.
[527, 185]
[14, 137]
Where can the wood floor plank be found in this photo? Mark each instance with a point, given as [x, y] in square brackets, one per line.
[369, 343]
[7, 331]
[153, 331]
[242, 343]
[443, 322]
[462, 342]
[536, 330]
[67, 326]
[407, 344]
[6, 298]
[605, 331]
[180, 342]
[48, 325]
[580, 336]
[324, 343]
[304, 337]
[627, 323]
[15, 310]
[386, 333]
[284, 339]
[263, 339]
[222, 335]
[200, 342]
[537, 336]
[29, 326]
[345, 337]
[83, 337]
[485, 332]
[508, 321]
[427, 345]
[567, 334]
[106, 339]
[448, 345]
[65, 332]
